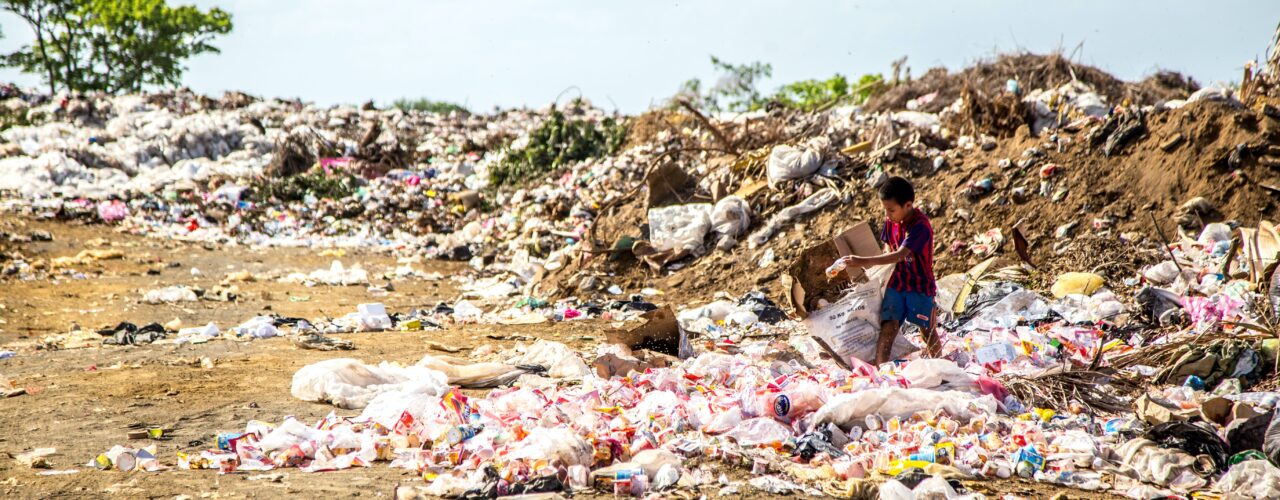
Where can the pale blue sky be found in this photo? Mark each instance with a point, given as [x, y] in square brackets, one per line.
[632, 54]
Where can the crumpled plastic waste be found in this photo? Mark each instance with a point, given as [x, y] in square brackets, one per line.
[350, 384]
[815, 201]
[1250, 479]
[679, 227]
[337, 274]
[789, 162]
[170, 295]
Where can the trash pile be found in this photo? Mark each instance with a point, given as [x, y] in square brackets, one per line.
[1043, 387]
[1095, 334]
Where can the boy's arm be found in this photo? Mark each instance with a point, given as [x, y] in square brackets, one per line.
[876, 260]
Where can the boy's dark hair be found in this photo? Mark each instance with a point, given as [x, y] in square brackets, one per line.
[897, 189]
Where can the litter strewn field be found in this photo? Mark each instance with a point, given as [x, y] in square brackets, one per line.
[243, 297]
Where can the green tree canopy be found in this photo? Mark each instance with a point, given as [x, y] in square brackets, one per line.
[112, 45]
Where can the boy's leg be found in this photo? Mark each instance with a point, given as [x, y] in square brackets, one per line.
[932, 346]
[884, 344]
[893, 308]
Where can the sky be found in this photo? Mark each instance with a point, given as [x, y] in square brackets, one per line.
[631, 55]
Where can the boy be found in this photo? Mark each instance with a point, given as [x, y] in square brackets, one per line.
[909, 294]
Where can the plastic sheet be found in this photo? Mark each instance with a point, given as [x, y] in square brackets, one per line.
[847, 410]
[351, 384]
[679, 227]
[560, 361]
[1250, 479]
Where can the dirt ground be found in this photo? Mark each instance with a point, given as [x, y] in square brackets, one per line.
[84, 401]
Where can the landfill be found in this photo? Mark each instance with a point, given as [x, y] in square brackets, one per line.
[662, 317]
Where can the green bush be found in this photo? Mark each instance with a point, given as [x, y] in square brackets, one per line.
[809, 95]
[429, 106]
[558, 142]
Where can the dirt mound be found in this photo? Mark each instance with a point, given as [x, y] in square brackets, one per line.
[1086, 212]
[1032, 71]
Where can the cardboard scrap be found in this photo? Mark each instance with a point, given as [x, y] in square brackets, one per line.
[808, 274]
[660, 333]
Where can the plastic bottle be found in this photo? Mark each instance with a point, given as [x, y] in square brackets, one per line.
[944, 452]
[1028, 461]
[791, 403]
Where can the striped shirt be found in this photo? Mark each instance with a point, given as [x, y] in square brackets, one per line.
[915, 272]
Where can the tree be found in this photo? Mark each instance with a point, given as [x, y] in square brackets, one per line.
[735, 89]
[112, 45]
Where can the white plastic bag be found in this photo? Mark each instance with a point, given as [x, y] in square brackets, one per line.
[760, 431]
[851, 325]
[847, 410]
[939, 374]
[895, 490]
[731, 216]
[554, 444]
[170, 295]
[351, 384]
[560, 361]
[815, 201]
[1250, 479]
[790, 162]
[679, 227]
[934, 488]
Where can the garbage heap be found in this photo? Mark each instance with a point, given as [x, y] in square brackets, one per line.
[1070, 387]
[1124, 343]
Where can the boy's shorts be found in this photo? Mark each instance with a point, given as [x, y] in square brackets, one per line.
[907, 306]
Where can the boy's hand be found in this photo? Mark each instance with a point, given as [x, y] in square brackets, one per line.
[854, 261]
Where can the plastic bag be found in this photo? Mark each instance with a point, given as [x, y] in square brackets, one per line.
[288, 433]
[679, 227]
[351, 384]
[760, 431]
[170, 295]
[554, 444]
[1148, 462]
[815, 201]
[1163, 273]
[666, 476]
[790, 162]
[851, 325]
[847, 410]
[895, 490]
[1250, 479]
[731, 216]
[940, 374]
[560, 361]
[1213, 233]
[1076, 284]
[258, 327]
[934, 488]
